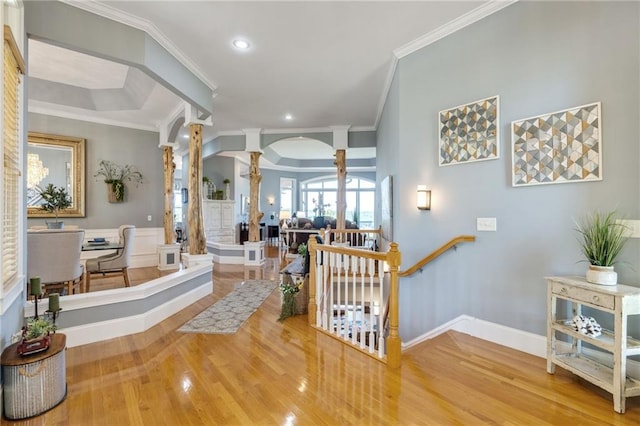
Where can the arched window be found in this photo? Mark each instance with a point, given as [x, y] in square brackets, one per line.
[319, 196]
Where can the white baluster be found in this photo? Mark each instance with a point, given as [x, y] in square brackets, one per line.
[338, 267]
[381, 348]
[325, 292]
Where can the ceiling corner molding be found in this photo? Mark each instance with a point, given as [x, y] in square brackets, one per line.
[148, 27]
[89, 118]
[441, 32]
[296, 131]
[451, 27]
[385, 89]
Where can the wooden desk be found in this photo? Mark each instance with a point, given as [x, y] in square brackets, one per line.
[34, 383]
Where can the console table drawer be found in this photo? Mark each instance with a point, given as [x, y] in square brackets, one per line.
[583, 295]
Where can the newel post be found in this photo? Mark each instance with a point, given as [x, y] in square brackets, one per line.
[393, 341]
[313, 307]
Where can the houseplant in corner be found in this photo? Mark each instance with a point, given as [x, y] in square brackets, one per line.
[602, 239]
[115, 177]
[54, 200]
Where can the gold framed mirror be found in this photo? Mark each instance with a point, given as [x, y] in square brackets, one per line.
[58, 160]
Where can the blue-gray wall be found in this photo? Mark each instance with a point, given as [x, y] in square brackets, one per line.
[218, 168]
[539, 57]
[123, 146]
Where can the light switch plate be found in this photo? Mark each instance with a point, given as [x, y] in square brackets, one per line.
[486, 224]
[633, 228]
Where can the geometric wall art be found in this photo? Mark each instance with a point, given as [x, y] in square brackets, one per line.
[469, 132]
[558, 147]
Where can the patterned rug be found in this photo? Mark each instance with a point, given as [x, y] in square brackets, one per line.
[229, 313]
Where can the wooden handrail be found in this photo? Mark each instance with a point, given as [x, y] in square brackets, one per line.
[452, 243]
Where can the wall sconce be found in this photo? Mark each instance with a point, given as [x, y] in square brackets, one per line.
[271, 199]
[423, 198]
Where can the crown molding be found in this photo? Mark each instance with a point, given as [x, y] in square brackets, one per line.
[451, 27]
[90, 118]
[386, 88]
[439, 33]
[148, 27]
[328, 129]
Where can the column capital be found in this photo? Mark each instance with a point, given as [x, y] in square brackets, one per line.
[340, 136]
[252, 140]
[191, 116]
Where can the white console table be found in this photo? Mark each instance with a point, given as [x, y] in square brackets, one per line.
[621, 301]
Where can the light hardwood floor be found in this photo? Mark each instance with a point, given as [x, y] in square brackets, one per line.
[273, 373]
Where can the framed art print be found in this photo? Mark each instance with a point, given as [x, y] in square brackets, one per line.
[469, 132]
[558, 147]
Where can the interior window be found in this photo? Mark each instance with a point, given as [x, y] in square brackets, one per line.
[319, 198]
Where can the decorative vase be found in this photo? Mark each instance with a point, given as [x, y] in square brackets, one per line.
[603, 275]
[55, 225]
[226, 191]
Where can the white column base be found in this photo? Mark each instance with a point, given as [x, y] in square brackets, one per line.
[254, 253]
[168, 256]
[196, 259]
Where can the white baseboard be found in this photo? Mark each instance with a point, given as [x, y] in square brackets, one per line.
[524, 341]
[98, 331]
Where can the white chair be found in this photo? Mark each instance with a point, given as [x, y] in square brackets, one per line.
[113, 264]
[54, 256]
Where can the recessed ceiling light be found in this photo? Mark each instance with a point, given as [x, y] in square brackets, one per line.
[241, 44]
[185, 136]
[288, 117]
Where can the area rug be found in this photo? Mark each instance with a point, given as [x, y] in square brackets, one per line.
[229, 313]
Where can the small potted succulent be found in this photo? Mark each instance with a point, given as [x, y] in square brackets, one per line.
[36, 335]
[54, 200]
[602, 238]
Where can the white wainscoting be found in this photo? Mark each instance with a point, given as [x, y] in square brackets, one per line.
[145, 245]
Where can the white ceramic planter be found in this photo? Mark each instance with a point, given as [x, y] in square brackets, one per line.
[603, 275]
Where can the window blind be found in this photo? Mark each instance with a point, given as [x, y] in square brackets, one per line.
[11, 170]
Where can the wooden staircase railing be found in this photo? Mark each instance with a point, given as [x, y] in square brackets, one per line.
[353, 293]
[433, 255]
[346, 288]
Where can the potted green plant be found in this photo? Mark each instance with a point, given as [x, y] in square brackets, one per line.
[602, 238]
[54, 200]
[115, 177]
[36, 335]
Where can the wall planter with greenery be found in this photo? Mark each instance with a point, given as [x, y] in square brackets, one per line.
[115, 177]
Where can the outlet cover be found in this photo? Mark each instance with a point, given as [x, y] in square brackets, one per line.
[633, 228]
[486, 224]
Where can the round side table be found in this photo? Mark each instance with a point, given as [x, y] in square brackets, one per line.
[34, 383]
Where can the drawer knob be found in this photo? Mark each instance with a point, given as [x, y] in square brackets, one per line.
[563, 290]
[595, 298]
